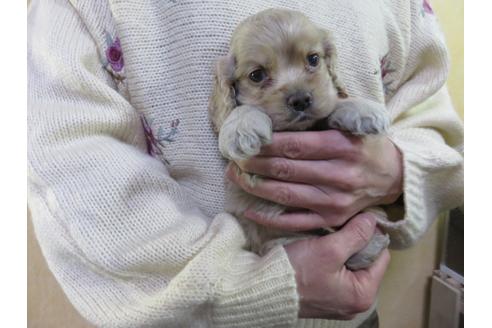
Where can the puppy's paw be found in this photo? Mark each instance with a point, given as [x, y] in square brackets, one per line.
[244, 132]
[370, 253]
[360, 117]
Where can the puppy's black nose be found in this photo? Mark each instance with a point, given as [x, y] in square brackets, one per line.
[299, 101]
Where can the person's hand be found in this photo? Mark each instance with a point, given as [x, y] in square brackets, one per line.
[332, 174]
[327, 289]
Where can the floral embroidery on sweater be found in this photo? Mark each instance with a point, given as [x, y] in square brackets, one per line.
[386, 70]
[155, 142]
[114, 62]
[426, 8]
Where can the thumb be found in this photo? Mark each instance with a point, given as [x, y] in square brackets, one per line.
[354, 236]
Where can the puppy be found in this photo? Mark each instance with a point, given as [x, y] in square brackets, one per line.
[281, 75]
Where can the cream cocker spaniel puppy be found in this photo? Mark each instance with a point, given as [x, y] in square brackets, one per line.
[281, 75]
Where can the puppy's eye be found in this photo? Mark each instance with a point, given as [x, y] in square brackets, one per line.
[313, 60]
[258, 75]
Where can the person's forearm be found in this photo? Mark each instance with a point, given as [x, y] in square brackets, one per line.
[430, 139]
[117, 231]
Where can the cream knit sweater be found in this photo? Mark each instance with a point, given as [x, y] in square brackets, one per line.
[125, 177]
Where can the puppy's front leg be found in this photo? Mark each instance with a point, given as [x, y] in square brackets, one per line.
[370, 253]
[241, 136]
[243, 133]
[359, 116]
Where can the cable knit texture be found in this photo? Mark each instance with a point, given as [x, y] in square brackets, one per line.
[125, 177]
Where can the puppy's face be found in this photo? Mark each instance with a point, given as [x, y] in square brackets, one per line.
[281, 68]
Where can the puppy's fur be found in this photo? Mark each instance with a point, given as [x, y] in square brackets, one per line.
[281, 74]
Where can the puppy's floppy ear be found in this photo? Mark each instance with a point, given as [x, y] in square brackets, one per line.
[223, 98]
[331, 62]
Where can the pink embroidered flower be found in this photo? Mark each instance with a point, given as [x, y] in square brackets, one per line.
[114, 55]
[427, 7]
[386, 70]
[151, 141]
[155, 142]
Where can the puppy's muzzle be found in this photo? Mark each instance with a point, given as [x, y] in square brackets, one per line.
[300, 101]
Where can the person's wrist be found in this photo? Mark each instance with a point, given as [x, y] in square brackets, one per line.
[395, 189]
[295, 256]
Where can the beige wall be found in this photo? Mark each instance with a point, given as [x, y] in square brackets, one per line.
[450, 13]
[404, 293]
[47, 306]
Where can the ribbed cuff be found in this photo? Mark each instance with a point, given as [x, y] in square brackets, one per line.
[258, 292]
[408, 221]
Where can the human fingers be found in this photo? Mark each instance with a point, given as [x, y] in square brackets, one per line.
[337, 173]
[289, 194]
[299, 221]
[352, 237]
[365, 283]
[311, 145]
[375, 273]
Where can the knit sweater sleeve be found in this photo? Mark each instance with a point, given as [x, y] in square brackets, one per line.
[427, 131]
[116, 230]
